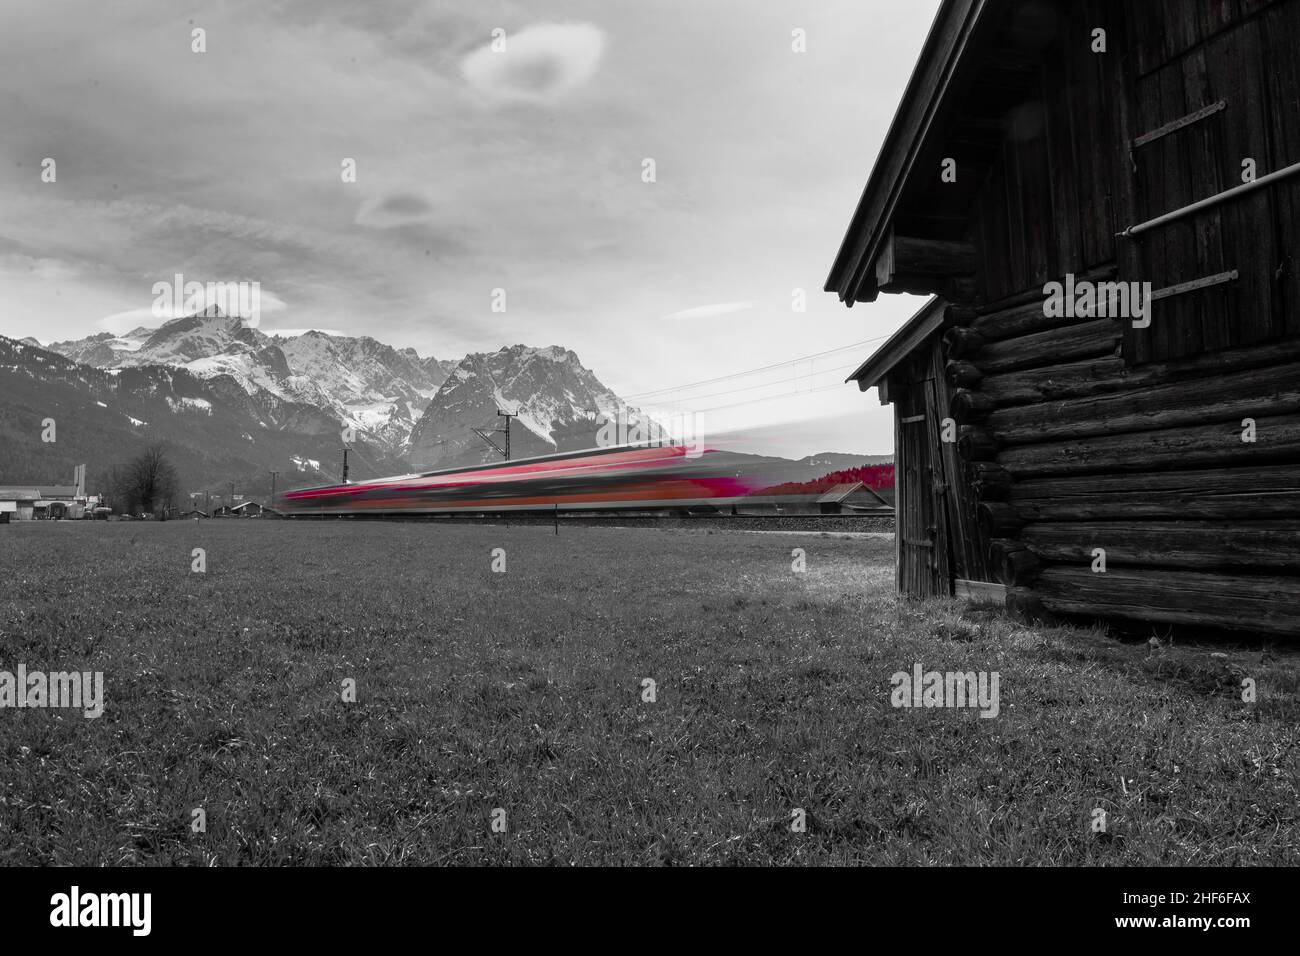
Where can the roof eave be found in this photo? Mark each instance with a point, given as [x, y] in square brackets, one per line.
[917, 329]
[949, 35]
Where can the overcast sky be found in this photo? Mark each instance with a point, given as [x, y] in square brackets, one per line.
[476, 170]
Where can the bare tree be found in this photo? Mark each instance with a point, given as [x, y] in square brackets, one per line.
[148, 483]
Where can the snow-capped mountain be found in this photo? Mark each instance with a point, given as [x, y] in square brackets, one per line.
[412, 407]
[104, 350]
[560, 405]
[379, 390]
[215, 431]
[382, 390]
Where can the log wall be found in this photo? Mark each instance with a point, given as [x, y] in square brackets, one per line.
[1081, 435]
[1150, 465]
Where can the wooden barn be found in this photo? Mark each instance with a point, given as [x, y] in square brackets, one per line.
[1098, 412]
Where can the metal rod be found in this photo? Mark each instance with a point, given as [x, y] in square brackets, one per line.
[1209, 201]
[1194, 284]
[1178, 124]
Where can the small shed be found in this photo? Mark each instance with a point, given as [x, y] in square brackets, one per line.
[852, 497]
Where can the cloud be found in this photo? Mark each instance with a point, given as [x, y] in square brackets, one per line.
[395, 209]
[709, 311]
[42, 267]
[539, 64]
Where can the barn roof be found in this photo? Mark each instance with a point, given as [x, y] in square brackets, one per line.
[24, 492]
[838, 493]
[899, 345]
[908, 233]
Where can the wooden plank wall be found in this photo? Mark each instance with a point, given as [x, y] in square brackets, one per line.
[923, 568]
[936, 501]
[1052, 203]
[1087, 437]
[1210, 58]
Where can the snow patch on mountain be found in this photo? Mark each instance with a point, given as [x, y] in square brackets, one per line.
[558, 403]
[362, 382]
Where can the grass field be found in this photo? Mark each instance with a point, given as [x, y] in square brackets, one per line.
[523, 691]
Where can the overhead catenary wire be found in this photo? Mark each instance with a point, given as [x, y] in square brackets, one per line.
[772, 384]
[770, 398]
[754, 371]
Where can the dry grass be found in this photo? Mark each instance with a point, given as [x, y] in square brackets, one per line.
[523, 691]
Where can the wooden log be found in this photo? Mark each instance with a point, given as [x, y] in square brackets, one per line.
[1023, 320]
[958, 342]
[1024, 604]
[961, 290]
[989, 480]
[931, 257]
[976, 444]
[998, 519]
[1085, 340]
[1261, 604]
[962, 374]
[1099, 376]
[1218, 445]
[1017, 565]
[1221, 493]
[907, 263]
[1228, 397]
[1204, 545]
[966, 406]
[959, 315]
[1104, 271]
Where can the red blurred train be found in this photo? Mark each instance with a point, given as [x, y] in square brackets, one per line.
[620, 478]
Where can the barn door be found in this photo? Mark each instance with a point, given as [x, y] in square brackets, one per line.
[923, 541]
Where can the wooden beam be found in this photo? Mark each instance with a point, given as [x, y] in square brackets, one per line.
[959, 342]
[911, 264]
[1109, 374]
[998, 519]
[1229, 397]
[1270, 491]
[932, 257]
[1217, 445]
[1204, 545]
[1253, 603]
[985, 592]
[967, 407]
[1016, 563]
[962, 375]
[1086, 340]
[989, 480]
[976, 443]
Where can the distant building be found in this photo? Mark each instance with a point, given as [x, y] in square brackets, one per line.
[28, 502]
[853, 497]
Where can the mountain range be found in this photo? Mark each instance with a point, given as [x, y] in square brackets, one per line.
[234, 403]
[377, 389]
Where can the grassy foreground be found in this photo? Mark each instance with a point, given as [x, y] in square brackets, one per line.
[523, 691]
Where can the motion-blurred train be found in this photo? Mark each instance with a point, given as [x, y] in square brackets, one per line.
[651, 478]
